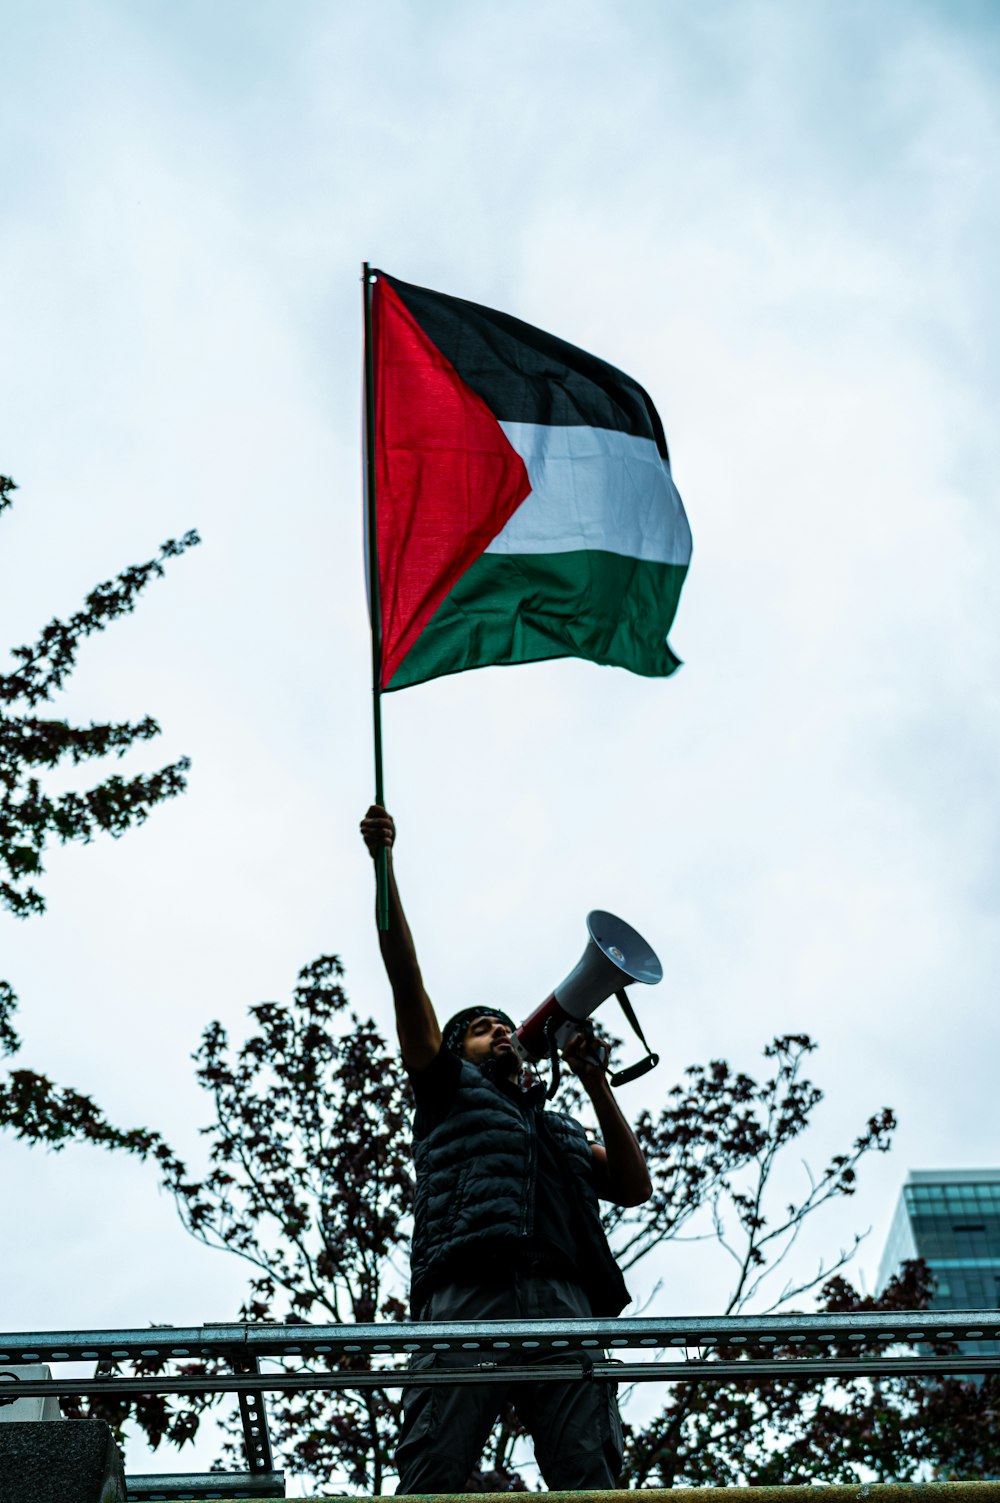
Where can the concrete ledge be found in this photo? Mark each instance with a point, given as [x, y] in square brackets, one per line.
[191, 1487]
[866, 1492]
[64, 1461]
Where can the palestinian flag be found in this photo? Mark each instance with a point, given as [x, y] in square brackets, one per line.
[525, 506]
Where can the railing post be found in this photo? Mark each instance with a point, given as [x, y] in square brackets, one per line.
[256, 1440]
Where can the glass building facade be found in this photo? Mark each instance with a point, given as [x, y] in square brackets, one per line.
[951, 1219]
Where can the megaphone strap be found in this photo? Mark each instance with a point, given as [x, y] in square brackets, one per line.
[550, 1035]
[633, 1072]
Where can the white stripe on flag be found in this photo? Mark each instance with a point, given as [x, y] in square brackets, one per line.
[594, 488]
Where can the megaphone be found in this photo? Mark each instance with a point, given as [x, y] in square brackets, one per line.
[616, 954]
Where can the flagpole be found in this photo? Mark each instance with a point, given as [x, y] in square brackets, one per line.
[382, 858]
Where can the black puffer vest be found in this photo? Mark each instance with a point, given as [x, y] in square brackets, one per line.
[475, 1174]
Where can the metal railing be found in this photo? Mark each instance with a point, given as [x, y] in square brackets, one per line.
[675, 1349]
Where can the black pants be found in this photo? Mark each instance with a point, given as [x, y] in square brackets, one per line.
[575, 1426]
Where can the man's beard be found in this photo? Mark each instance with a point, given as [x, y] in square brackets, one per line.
[501, 1066]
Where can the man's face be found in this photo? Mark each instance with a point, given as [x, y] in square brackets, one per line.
[489, 1038]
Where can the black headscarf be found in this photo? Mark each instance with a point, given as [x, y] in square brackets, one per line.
[453, 1032]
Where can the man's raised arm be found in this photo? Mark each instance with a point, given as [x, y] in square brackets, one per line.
[416, 1021]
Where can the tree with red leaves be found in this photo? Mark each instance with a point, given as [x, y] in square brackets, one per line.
[787, 1431]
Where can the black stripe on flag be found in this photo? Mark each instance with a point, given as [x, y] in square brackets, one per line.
[527, 376]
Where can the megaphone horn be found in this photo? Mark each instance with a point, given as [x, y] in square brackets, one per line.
[616, 954]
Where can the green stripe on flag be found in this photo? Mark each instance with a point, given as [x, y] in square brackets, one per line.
[524, 608]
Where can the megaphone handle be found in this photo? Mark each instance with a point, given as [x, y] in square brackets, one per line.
[599, 1053]
[623, 1077]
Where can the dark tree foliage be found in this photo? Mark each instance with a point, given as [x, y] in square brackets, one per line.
[33, 743]
[713, 1150]
[35, 1110]
[308, 1180]
[310, 1183]
[779, 1432]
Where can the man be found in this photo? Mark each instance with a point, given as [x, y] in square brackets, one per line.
[506, 1224]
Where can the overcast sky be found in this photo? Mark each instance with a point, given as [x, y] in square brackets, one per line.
[782, 220]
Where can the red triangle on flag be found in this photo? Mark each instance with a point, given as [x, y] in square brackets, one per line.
[446, 477]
